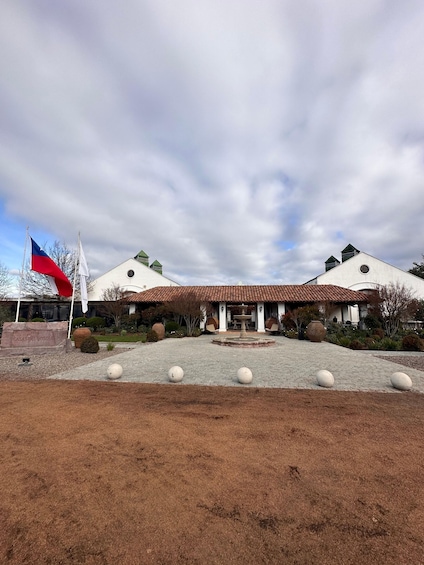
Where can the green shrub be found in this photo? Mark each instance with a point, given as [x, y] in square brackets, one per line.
[79, 322]
[95, 323]
[345, 341]
[171, 327]
[196, 332]
[110, 346]
[412, 342]
[90, 345]
[152, 336]
[142, 329]
[291, 334]
[375, 345]
[38, 320]
[124, 333]
[372, 322]
[332, 338]
[333, 328]
[388, 344]
[129, 322]
[182, 332]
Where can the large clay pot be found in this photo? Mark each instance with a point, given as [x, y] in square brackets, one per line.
[79, 336]
[315, 331]
[159, 329]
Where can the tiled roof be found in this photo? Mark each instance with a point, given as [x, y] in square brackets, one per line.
[258, 293]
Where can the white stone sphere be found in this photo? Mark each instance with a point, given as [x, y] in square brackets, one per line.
[175, 374]
[114, 371]
[401, 381]
[325, 378]
[244, 376]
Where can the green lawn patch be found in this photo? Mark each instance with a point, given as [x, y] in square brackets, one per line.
[129, 338]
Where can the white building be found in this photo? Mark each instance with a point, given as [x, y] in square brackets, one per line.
[359, 271]
[263, 302]
[133, 275]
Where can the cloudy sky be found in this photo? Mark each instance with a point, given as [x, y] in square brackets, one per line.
[232, 140]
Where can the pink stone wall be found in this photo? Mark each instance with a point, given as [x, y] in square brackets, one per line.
[28, 335]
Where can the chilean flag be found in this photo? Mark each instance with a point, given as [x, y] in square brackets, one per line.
[41, 263]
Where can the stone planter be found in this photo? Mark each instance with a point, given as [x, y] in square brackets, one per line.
[79, 335]
[159, 329]
[315, 331]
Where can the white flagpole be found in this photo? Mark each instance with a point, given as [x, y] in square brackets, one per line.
[18, 305]
[71, 313]
[83, 275]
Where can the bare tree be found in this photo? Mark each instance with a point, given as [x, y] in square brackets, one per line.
[113, 304]
[5, 281]
[396, 303]
[190, 308]
[326, 310]
[303, 315]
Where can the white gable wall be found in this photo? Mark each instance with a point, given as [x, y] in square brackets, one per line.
[349, 275]
[144, 278]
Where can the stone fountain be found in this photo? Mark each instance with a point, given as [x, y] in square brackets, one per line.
[244, 340]
[243, 317]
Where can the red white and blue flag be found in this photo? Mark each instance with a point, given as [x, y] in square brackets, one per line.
[41, 263]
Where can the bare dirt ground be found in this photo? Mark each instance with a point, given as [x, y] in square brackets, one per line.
[122, 474]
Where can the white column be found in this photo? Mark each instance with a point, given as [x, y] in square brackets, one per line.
[281, 311]
[203, 321]
[222, 317]
[261, 317]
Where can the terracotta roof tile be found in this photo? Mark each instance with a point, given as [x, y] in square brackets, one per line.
[258, 293]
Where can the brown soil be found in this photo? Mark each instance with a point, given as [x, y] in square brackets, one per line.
[123, 474]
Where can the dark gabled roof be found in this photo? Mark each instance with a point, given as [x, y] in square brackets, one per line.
[332, 259]
[255, 293]
[350, 249]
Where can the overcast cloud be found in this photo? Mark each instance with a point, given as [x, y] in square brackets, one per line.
[232, 140]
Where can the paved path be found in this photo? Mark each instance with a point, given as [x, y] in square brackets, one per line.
[288, 364]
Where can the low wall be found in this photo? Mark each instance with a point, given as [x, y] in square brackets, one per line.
[32, 338]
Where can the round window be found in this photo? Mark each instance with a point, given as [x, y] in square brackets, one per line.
[364, 268]
[130, 273]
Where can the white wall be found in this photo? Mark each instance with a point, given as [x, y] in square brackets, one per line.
[144, 278]
[349, 275]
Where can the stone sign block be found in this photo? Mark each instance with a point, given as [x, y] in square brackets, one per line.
[29, 338]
